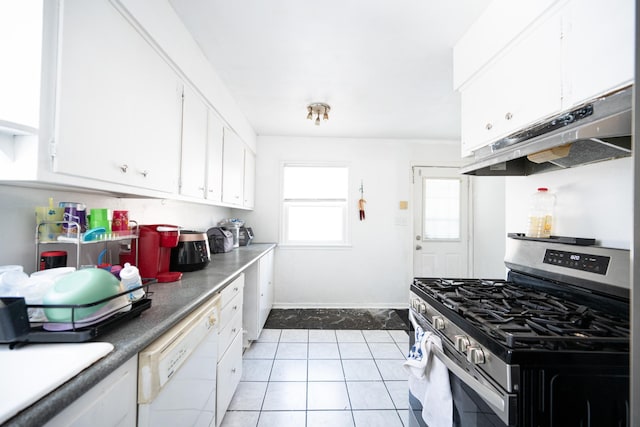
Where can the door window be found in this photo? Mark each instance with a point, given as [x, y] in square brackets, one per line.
[441, 208]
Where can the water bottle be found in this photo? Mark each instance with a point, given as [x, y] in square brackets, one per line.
[540, 223]
[130, 277]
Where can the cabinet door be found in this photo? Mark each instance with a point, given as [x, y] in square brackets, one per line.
[249, 191]
[228, 375]
[599, 48]
[520, 87]
[113, 401]
[118, 102]
[194, 144]
[233, 169]
[215, 137]
[266, 288]
[21, 50]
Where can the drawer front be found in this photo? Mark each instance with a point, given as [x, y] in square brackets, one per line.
[231, 291]
[229, 311]
[229, 374]
[228, 333]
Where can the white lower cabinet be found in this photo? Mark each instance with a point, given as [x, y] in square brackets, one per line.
[229, 374]
[258, 295]
[229, 368]
[112, 402]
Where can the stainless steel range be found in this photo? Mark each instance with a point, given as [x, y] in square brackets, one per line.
[549, 346]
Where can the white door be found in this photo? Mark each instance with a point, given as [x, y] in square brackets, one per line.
[441, 223]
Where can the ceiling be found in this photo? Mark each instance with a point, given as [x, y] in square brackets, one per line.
[384, 66]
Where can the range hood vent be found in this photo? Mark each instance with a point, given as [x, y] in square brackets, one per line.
[595, 131]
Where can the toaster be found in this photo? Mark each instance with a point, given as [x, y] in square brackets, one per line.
[192, 252]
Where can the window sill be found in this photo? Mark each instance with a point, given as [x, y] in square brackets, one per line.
[292, 246]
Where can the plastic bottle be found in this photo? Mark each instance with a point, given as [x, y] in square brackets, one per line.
[540, 222]
[130, 277]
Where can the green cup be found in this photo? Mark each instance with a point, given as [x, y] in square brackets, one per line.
[100, 218]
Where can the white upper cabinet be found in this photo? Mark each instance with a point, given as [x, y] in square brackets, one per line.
[599, 48]
[194, 144]
[500, 23]
[249, 192]
[522, 85]
[563, 53]
[20, 50]
[215, 138]
[118, 102]
[233, 170]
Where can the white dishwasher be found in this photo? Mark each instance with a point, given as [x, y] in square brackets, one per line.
[177, 373]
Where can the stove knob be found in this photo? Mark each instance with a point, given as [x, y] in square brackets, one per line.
[475, 355]
[462, 343]
[438, 322]
[423, 308]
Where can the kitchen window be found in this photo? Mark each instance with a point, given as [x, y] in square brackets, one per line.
[314, 204]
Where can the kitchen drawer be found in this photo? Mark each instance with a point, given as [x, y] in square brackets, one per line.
[231, 291]
[229, 311]
[229, 374]
[228, 333]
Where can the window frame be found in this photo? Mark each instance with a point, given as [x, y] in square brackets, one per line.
[285, 204]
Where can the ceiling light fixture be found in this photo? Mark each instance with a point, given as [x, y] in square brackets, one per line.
[318, 109]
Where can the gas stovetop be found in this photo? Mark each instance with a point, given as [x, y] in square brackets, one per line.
[524, 318]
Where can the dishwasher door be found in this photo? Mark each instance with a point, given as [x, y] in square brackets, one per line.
[177, 373]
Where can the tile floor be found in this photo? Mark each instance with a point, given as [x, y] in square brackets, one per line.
[320, 377]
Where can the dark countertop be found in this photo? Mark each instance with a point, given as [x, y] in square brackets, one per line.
[171, 302]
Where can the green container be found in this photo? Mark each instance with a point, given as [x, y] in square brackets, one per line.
[80, 287]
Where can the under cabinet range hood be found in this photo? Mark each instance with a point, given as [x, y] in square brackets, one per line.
[595, 131]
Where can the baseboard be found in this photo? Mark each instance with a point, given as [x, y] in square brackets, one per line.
[363, 306]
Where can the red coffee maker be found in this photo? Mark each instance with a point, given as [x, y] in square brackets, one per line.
[154, 245]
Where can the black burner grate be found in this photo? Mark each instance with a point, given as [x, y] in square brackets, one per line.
[520, 317]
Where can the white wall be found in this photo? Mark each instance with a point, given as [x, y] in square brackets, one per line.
[592, 201]
[377, 269]
[488, 198]
[17, 219]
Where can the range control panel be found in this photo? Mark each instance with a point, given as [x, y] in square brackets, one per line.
[578, 261]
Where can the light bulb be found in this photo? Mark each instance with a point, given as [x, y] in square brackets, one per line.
[318, 120]
[309, 116]
[325, 116]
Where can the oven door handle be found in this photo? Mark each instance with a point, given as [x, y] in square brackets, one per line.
[498, 401]
[490, 396]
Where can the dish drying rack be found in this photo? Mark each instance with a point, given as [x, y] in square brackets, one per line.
[17, 329]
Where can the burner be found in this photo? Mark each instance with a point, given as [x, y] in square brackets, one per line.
[521, 317]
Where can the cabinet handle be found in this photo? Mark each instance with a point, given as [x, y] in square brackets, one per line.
[488, 126]
[234, 330]
[123, 168]
[508, 116]
[233, 371]
[235, 289]
[144, 173]
[235, 307]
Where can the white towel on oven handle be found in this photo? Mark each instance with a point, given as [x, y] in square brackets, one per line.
[429, 379]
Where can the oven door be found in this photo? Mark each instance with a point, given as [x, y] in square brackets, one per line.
[475, 404]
